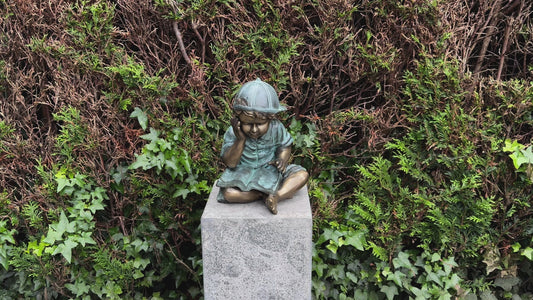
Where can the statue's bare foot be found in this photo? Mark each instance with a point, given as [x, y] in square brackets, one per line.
[272, 203]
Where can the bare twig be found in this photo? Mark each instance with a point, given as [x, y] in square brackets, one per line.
[504, 48]
[181, 262]
[180, 42]
[495, 12]
[199, 36]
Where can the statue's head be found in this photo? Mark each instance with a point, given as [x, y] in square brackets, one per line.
[257, 96]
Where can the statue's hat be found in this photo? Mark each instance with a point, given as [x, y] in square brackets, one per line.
[259, 96]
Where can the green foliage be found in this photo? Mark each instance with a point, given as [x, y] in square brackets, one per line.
[74, 134]
[430, 194]
[398, 202]
[6, 242]
[68, 238]
[90, 24]
[522, 157]
[32, 213]
[42, 45]
[165, 156]
[377, 60]
[6, 133]
[307, 152]
[440, 164]
[74, 258]
[137, 82]
[76, 229]
[265, 47]
[344, 268]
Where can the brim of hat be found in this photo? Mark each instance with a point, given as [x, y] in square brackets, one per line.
[262, 110]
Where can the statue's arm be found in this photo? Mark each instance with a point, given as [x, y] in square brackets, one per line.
[283, 155]
[232, 155]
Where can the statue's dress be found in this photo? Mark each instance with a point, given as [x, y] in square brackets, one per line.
[253, 171]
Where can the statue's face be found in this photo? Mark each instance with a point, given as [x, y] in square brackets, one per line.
[254, 127]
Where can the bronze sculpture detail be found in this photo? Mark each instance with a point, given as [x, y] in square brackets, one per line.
[257, 149]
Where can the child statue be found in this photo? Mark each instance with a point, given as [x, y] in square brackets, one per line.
[257, 149]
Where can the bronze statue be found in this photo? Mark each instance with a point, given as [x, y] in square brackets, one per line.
[257, 149]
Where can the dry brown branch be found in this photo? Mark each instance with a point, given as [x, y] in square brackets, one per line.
[504, 48]
[179, 36]
[195, 26]
[494, 18]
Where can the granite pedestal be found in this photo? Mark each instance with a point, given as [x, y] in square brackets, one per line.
[249, 253]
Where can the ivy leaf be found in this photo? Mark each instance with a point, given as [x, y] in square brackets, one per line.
[79, 288]
[451, 282]
[318, 268]
[96, 205]
[487, 295]
[184, 160]
[337, 272]
[522, 157]
[420, 293]
[448, 264]
[528, 155]
[507, 283]
[64, 225]
[140, 245]
[56, 230]
[8, 237]
[112, 290]
[332, 247]
[62, 183]
[98, 194]
[141, 117]
[390, 291]
[512, 147]
[120, 173]
[332, 235]
[4, 261]
[141, 161]
[52, 236]
[141, 262]
[519, 159]
[66, 249]
[397, 277]
[352, 277]
[528, 252]
[85, 238]
[402, 261]
[183, 192]
[356, 239]
[138, 274]
[434, 277]
[152, 136]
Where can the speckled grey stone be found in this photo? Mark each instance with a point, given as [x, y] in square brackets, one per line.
[249, 253]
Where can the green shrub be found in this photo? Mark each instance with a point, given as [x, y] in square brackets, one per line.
[343, 269]
[74, 134]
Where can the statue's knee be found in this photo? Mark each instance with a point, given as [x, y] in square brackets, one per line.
[230, 194]
[303, 175]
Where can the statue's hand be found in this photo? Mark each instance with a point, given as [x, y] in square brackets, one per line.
[280, 164]
[236, 124]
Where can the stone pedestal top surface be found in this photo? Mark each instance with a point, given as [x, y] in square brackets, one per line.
[296, 207]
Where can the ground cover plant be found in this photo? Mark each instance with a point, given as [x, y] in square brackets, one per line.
[414, 119]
